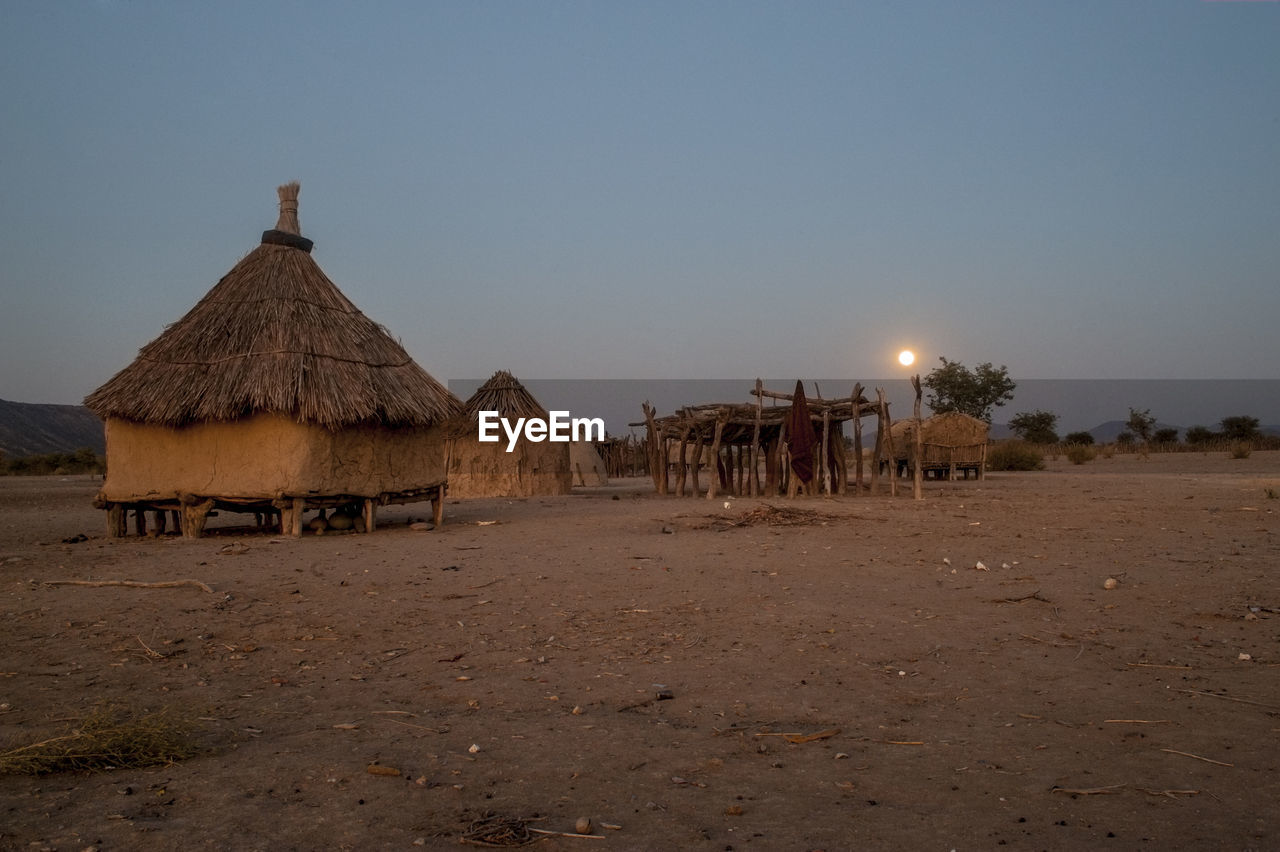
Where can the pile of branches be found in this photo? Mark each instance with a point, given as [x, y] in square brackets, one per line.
[773, 516]
[495, 830]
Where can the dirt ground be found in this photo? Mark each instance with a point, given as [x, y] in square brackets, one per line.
[677, 670]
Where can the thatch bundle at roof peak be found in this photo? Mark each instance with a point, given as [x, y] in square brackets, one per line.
[275, 335]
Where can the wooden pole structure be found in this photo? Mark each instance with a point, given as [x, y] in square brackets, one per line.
[824, 468]
[855, 406]
[697, 462]
[887, 443]
[755, 441]
[682, 471]
[657, 451]
[917, 478]
[842, 462]
[877, 452]
[715, 454]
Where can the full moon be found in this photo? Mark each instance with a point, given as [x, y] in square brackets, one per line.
[906, 357]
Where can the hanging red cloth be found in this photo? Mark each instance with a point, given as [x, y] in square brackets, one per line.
[800, 436]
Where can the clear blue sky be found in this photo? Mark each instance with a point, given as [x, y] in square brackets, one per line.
[657, 190]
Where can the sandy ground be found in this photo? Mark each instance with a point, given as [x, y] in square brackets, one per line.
[511, 664]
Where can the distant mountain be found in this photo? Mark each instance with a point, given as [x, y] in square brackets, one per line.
[28, 429]
[1105, 433]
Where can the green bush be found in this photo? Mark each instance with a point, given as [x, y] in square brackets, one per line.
[1079, 438]
[83, 460]
[1014, 455]
[1080, 453]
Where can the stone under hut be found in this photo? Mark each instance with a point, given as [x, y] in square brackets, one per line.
[276, 396]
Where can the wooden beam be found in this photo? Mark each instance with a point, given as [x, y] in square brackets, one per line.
[917, 478]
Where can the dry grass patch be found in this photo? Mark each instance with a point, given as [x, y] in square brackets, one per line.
[110, 737]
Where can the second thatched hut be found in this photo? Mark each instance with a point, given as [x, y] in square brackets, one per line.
[487, 469]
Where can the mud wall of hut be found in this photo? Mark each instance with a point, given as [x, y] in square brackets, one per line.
[267, 455]
[488, 470]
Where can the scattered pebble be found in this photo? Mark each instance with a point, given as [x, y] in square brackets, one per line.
[1110, 583]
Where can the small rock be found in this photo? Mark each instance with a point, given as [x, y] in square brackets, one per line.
[583, 825]
[1244, 658]
[1110, 583]
[475, 749]
[421, 526]
[669, 530]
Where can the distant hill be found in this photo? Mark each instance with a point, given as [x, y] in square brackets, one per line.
[28, 429]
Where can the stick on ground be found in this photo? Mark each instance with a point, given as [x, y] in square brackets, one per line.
[133, 584]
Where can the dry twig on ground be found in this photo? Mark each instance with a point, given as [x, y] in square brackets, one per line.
[134, 584]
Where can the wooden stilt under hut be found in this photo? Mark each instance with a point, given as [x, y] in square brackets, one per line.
[275, 396]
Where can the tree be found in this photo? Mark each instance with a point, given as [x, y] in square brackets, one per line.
[1165, 436]
[1201, 435]
[1141, 424]
[973, 392]
[1079, 438]
[1240, 428]
[1035, 426]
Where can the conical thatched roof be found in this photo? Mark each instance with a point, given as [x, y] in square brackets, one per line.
[275, 335]
[502, 393]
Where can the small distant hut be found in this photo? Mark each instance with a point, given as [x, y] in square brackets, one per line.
[951, 443]
[273, 395]
[486, 469]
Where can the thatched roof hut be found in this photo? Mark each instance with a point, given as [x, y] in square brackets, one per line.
[951, 442]
[273, 393]
[486, 469]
